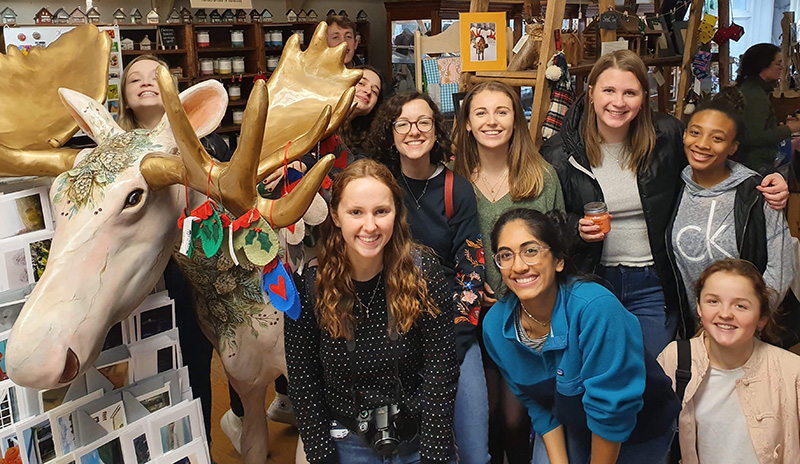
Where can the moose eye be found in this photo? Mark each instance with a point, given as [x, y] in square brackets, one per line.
[134, 198]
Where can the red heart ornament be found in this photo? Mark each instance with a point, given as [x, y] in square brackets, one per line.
[279, 289]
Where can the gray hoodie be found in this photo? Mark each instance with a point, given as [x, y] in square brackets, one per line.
[704, 232]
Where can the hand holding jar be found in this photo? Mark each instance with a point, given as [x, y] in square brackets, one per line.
[596, 222]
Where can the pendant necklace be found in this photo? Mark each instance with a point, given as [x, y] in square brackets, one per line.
[371, 299]
[496, 184]
[411, 192]
[543, 324]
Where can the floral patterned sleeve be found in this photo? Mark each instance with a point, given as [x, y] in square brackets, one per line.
[468, 251]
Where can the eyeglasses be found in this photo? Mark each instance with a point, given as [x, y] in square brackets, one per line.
[403, 127]
[530, 255]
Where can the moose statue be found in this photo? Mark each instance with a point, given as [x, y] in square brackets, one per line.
[117, 206]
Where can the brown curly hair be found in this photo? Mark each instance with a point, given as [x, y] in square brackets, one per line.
[382, 146]
[406, 288]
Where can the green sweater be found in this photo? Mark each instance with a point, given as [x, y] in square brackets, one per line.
[488, 213]
[762, 132]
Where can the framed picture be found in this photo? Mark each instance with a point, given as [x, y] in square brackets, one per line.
[483, 41]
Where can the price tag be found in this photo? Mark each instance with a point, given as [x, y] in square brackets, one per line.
[520, 43]
[186, 235]
[659, 78]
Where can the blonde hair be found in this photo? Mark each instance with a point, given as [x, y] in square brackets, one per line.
[641, 139]
[526, 166]
[125, 118]
[406, 289]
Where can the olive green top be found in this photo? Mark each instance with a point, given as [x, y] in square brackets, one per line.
[488, 213]
[762, 132]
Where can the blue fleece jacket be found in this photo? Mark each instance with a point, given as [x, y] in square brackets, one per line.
[591, 371]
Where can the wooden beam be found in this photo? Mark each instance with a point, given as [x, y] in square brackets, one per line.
[606, 35]
[689, 50]
[724, 49]
[478, 6]
[554, 16]
[786, 45]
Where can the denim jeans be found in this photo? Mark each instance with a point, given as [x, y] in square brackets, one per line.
[640, 291]
[579, 448]
[472, 410]
[353, 450]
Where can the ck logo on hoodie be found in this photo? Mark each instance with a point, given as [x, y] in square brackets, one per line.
[696, 243]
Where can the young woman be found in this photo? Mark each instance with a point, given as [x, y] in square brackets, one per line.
[495, 152]
[141, 108]
[572, 353]
[493, 149]
[760, 68]
[375, 331]
[719, 212]
[741, 403]
[410, 138]
[613, 148]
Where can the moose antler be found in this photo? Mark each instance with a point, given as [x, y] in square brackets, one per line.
[233, 183]
[33, 122]
[303, 85]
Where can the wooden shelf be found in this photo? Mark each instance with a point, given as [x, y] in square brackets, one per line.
[224, 49]
[240, 102]
[228, 129]
[172, 51]
[223, 77]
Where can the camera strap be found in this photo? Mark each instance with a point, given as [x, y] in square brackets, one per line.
[351, 357]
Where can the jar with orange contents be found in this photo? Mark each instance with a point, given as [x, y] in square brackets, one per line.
[597, 212]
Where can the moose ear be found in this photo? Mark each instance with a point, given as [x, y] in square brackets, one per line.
[205, 105]
[92, 117]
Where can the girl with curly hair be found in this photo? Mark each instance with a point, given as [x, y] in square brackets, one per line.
[410, 138]
[375, 339]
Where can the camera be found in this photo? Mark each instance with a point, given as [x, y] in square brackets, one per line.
[385, 427]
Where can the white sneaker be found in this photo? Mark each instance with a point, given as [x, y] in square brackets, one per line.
[281, 410]
[231, 424]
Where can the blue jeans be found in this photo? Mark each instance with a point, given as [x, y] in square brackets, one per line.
[579, 448]
[472, 410]
[640, 291]
[353, 450]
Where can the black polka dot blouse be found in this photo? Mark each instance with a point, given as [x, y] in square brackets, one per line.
[321, 384]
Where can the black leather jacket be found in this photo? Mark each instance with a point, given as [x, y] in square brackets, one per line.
[658, 183]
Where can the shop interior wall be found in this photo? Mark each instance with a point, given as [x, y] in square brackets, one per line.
[374, 8]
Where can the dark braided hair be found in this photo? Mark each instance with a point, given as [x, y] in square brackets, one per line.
[730, 102]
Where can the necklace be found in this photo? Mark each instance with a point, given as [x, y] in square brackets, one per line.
[371, 299]
[411, 192]
[543, 324]
[492, 187]
[618, 155]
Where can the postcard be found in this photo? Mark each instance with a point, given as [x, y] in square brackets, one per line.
[107, 453]
[63, 420]
[38, 443]
[111, 417]
[483, 41]
[195, 452]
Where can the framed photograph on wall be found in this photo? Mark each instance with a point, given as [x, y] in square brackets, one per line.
[483, 41]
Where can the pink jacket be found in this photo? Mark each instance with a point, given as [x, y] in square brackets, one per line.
[768, 393]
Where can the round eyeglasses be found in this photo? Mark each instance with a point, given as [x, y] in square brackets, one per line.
[530, 255]
[403, 127]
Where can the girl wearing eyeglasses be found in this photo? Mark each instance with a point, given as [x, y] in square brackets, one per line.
[494, 150]
[572, 353]
[410, 138]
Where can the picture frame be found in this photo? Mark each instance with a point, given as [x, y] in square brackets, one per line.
[483, 41]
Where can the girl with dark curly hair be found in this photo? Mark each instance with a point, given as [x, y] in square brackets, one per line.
[411, 139]
[375, 332]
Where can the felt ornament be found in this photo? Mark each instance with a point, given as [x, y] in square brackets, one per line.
[206, 226]
[721, 36]
[315, 215]
[279, 287]
[257, 240]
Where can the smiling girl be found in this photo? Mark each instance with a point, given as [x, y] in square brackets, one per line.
[572, 353]
[719, 212]
[741, 404]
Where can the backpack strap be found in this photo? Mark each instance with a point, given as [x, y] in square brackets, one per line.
[448, 193]
[683, 373]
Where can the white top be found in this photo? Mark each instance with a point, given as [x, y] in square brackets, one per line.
[722, 435]
[627, 243]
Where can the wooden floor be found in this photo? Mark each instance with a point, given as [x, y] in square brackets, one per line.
[282, 437]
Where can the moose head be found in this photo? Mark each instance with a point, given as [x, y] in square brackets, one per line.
[117, 204]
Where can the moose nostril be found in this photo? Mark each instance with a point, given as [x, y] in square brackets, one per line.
[71, 367]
